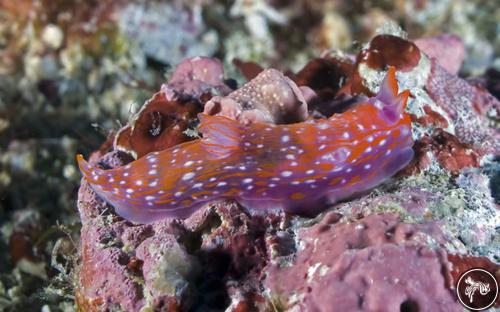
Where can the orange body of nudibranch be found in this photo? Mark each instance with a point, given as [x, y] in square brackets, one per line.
[265, 166]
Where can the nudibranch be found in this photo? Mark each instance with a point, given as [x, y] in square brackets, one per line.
[264, 166]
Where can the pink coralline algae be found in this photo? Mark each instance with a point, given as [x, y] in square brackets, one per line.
[195, 77]
[270, 97]
[266, 167]
[466, 106]
[375, 263]
[447, 49]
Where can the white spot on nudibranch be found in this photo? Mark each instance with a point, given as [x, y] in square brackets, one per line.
[286, 173]
[323, 126]
[188, 176]
[153, 172]
[247, 180]
[337, 169]
[285, 138]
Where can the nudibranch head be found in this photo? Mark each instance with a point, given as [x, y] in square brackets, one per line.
[391, 104]
[263, 166]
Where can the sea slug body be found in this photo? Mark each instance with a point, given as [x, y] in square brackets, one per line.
[265, 166]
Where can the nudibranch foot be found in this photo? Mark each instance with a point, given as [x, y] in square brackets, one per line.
[293, 167]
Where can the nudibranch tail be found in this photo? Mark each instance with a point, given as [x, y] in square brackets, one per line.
[137, 190]
[84, 166]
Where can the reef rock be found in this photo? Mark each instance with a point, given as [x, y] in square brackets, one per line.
[374, 263]
[438, 94]
[194, 77]
[399, 247]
